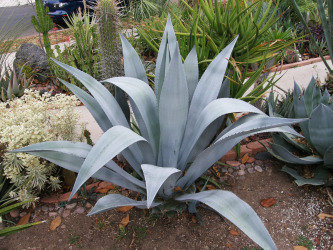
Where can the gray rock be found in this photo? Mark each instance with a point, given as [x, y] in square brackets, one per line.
[230, 170]
[53, 214]
[79, 210]
[66, 213]
[250, 170]
[258, 168]
[45, 209]
[71, 206]
[14, 213]
[23, 214]
[258, 162]
[240, 172]
[242, 167]
[60, 210]
[63, 226]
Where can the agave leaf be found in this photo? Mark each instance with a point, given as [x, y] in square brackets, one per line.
[173, 110]
[209, 86]
[321, 128]
[145, 100]
[116, 200]
[235, 210]
[91, 104]
[316, 99]
[300, 110]
[257, 124]
[283, 154]
[132, 63]
[328, 157]
[172, 40]
[111, 143]
[74, 163]
[279, 140]
[156, 177]
[326, 97]
[308, 96]
[318, 180]
[209, 114]
[293, 140]
[191, 71]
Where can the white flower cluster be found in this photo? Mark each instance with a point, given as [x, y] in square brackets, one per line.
[32, 119]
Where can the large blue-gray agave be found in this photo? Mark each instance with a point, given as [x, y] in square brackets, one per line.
[177, 124]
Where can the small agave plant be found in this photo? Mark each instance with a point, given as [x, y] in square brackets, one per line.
[177, 124]
[318, 133]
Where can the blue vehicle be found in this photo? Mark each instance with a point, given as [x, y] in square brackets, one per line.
[59, 10]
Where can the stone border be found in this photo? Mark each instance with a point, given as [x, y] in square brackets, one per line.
[297, 64]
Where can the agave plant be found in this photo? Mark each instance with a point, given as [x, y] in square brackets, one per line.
[176, 123]
[318, 133]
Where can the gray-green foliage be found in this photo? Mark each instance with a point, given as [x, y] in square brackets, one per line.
[177, 123]
[318, 133]
[108, 30]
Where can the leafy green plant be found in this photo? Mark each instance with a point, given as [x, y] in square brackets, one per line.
[176, 124]
[318, 134]
[144, 9]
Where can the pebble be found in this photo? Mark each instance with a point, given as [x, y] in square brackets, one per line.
[45, 208]
[258, 168]
[79, 210]
[250, 170]
[88, 205]
[60, 210]
[242, 167]
[63, 226]
[71, 206]
[241, 172]
[233, 163]
[230, 170]
[66, 213]
[258, 162]
[53, 214]
[14, 213]
[23, 214]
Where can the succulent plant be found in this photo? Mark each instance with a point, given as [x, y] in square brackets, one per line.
[177, 124]
[12, 85]
[318, 133]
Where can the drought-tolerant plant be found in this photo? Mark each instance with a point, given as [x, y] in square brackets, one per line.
[318, 134]
[31, 119]
[144, 9]
[176, 123]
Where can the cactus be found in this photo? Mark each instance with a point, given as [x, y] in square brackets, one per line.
[107, 16]
[43, 24]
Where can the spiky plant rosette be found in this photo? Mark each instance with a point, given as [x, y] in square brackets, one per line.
[177, 124]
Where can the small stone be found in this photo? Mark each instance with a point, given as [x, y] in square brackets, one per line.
[258, 168]
[53, 214]
[66, 213]
[45, 208]
[250, 170]
[233, 163]
[79, 210]
[14, 213]
[23, 214]
[240, 172]
[88, 205]
[51, 208]
[63, 226]
[230, 170]
[71, 206]
[60, 210]
[242, 167]
[258, 162]
[60, 240]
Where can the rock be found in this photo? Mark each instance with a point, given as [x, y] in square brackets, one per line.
[262, 156]
[45, 209]
[35, 57]
[79, 210]
[23, 214]
[230, 170]
[14, 213]
[88, 205]
[242, 167]
[240, 172]
[258, 168]
[233, 163]
[250, 160]
[71, 206]
[60, 210]
[53, 214]
[66, 213]
[250, 170]
[63, 226]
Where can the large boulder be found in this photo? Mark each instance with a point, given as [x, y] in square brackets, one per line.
[36, 58]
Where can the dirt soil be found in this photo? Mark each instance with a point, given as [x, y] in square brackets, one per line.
[293, 218]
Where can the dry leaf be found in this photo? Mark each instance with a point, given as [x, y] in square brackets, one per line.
[234, 232]
[103, 190]
[124, 221]
[267, 202]
[245, 158]
[210, 187]
[124, 209]
[194, 219]
[55, 223]
[228, 245]
[24, 220]
[323, 216]
[177, 188]
[300, 248]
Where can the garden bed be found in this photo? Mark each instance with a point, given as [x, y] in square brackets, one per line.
[293, 219]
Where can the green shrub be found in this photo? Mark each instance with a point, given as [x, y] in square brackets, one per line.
[176, 124]
[31, 119]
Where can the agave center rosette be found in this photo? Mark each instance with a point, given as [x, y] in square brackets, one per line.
[177, 124]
